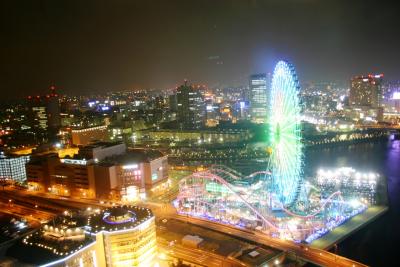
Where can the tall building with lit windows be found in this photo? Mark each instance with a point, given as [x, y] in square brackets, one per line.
[366, 91]
[191, 110]
[365, 99]
[45, 111]
[259, 97]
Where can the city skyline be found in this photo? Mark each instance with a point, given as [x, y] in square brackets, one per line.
[210, 133]
[84, 48]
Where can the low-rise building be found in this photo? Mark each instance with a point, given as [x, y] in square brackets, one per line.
[137, 171]
[100, 170]
[85, 136]
[13, 167]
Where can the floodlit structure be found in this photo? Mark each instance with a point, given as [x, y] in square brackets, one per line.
[278, 200]
[285, 133]
[118, 236]
[127, 233]
[224, 195]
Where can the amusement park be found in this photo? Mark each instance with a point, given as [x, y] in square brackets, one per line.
[279, 200]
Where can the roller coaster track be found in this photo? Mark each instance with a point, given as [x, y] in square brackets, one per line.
[210, 175]
[337, 193]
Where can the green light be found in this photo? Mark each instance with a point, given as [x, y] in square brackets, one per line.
[216, 187]
[285, 132]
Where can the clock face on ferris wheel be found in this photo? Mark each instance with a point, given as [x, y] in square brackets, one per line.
[285, 133]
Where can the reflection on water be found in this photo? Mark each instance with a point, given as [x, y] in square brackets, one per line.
[373, 245]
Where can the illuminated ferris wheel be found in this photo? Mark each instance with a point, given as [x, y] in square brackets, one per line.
[285, 133]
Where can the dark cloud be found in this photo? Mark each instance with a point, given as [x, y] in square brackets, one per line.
[95, 46]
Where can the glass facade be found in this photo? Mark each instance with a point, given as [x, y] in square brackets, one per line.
[258, 98]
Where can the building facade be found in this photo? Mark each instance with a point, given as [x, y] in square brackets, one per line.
[118, 236]
[13, 167]
[45, 111]
[101, 170]
[258, 98]
[85, 136]
[366, 91]
[190, 107]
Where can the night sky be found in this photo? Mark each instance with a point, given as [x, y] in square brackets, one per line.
[97, 46]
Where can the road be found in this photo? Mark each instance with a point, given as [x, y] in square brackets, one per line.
[316, 256]
[196, 256]
[33, 217]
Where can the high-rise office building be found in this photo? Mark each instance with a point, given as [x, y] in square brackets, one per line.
[45, 111]
[366, 91]
[258, 97]
[190, 107]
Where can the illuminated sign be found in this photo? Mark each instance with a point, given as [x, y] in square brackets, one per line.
[154, 176]
[396, 96]
[74, 161]
[130, 167]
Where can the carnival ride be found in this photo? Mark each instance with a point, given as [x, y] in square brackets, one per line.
[248, 202]
[278, 200]
[285, 133]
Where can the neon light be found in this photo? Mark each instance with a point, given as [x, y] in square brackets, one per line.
[279, 198]
[74, 161]
[285, 132]
[106, 218]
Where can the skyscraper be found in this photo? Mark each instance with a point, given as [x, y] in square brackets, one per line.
[45, 112]
[366, 91]
[258, 97]
[190, 107]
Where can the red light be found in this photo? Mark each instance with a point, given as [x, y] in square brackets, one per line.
[30, 97]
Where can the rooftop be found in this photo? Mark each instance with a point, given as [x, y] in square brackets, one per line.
[118, 218]
[63, 237]
[101, 144]
[83, 129]
[135, 155]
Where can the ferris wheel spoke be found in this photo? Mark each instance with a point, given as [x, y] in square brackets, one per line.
[285, 134]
